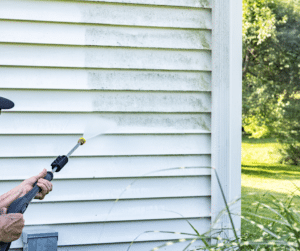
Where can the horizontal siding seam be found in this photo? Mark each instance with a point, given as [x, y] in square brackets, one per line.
[153, 91]
[103, 90]
[106, 47]
[114, 221]
[129, 177]
[110, 134]
[115, 69]
[162, 241]
[101, 68]
[109, 25]
[139, 4]
[120, 112]
[121, 199]
[115, 156]
[106, 24]
[107, 134]
[110, 156]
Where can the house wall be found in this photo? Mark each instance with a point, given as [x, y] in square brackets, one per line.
[145, 64]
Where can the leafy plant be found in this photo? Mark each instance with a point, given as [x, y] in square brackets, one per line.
[282, 231]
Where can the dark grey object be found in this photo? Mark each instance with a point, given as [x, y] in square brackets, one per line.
[6, 103]
[40, 239]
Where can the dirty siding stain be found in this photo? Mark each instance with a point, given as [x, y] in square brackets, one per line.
[141, 80]
[148, 37]
[162, 122]
[151, 102]
[159, 16]
[198, 39]
[203, 3]
[205, 81]
[203, 21]
[204, 41]
[146, 80]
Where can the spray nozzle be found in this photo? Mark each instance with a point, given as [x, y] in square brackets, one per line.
[81, 141]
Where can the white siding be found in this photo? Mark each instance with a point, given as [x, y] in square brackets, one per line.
[79, 34]
[145, 64]
[101, 13]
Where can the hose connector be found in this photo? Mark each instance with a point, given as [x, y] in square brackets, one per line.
[59, 163]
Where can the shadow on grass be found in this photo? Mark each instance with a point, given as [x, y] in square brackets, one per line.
[274, 171]
[248, 140]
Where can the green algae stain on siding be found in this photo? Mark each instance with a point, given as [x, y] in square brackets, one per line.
[205, 82]
[204, 41]
[204, 3]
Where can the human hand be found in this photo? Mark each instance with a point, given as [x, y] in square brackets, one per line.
[11, 226]
[45, 185]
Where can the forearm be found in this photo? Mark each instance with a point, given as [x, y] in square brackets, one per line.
[9, 197]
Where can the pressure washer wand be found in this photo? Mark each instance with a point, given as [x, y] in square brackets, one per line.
[60, 161]
[20, 205]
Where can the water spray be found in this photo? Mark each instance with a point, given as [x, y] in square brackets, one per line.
[95, 127]
[20, 205]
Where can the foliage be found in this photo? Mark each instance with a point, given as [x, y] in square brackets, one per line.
[271, 71]
[271, 222]
[256, 127]
[281, 232]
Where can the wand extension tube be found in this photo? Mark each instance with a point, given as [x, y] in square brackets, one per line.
[80, 142]
[74, 148]
[20, 205]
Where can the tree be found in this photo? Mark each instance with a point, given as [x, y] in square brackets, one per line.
[259, 30]
[271, 39]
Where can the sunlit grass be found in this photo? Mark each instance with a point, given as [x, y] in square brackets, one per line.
[256, 151]
[270, 206]
[263, 176]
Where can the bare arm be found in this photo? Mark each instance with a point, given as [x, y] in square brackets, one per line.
[9, 197]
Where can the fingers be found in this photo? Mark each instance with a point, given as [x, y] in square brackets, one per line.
[46, 187]
[17, 223]
[11, 226]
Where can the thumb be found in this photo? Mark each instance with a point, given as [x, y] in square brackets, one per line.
[41, 174]
[3, 210]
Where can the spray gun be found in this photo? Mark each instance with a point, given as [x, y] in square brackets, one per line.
[20, 205]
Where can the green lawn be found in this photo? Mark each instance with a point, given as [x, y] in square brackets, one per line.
[263, 176]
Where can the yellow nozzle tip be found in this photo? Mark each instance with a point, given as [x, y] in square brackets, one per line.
[81, 141]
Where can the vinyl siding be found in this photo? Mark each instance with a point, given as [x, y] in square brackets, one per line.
[146, 65]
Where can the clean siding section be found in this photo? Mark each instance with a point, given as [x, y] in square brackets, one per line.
[28, 146]
[111, 166]
[103, 13]
[144, 64]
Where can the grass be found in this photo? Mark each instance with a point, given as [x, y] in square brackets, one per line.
[262, 177]
[270, 205]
